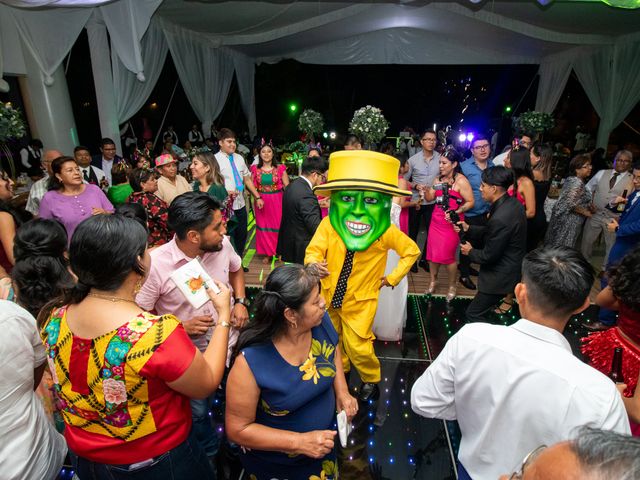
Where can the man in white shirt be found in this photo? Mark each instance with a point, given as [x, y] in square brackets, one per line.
[107, 158]
[515, 388]
[236, 177]
[90, 174]
[30, 157]
[41, 187]
[605, 187]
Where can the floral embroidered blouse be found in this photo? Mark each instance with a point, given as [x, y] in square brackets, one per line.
[157, 217]
[268, 182]
[113, 390]
[298, 398]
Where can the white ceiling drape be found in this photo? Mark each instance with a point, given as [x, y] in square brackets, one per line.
[553, 74]
[245, 76]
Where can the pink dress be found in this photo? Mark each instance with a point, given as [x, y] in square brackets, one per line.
[404, 216]
[519, 197]
[268, 218]
[443, 241]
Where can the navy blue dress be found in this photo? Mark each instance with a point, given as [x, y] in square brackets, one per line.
[296, 398]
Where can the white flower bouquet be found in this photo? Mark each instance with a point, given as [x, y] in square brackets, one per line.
[534, 122]
[11, 123]
[369, 124]
[310, 122]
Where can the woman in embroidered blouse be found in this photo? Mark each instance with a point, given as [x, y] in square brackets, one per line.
[287, 381]
[145, 185]
[123, 375]
[270, 178]
[69, 200]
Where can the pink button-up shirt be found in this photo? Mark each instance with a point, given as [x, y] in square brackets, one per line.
[161, 294]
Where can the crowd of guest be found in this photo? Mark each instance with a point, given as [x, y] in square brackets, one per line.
[135, 366]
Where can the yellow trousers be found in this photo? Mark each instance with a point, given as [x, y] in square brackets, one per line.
[356, 350]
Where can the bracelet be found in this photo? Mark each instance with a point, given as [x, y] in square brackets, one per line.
[225, 324]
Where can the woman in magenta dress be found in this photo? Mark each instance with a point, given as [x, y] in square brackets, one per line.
[404, 202]
[622, 294]
[269, 178]
[442, 240]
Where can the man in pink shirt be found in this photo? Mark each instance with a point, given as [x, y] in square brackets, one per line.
[200, 231]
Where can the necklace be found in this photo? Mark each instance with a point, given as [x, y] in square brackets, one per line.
[111, 299]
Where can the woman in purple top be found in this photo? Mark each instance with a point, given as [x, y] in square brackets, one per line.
[69, 200]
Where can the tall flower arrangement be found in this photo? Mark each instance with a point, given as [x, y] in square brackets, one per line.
[369, 124]
[310, 122]
[534, 122]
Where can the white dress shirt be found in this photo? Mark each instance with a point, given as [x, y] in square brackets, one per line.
[229, 179]
[513, 389]
[98, 171]
[36, 193]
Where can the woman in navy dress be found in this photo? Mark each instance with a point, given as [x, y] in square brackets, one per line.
[287, 382]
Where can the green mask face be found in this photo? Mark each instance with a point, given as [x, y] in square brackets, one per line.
[359, 217]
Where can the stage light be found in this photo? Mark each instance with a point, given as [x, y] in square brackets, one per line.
[462, 137]
[507, 109]
[293, 107]
[470, 137]
[325, 135]
[153, 106]
[332, 135]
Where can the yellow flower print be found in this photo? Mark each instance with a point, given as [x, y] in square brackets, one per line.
[309, 367]
[139, 325]
[323, 476]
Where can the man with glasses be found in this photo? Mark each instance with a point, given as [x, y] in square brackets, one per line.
[424, 167]
[107, 158]
[41, 186]
[472, 169]
[515, 388]
[301, 213]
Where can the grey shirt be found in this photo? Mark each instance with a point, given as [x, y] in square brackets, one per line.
[423, 172]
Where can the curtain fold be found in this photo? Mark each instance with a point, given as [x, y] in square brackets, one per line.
[610, 78]
[50, 34]
[130, 93]
[127, 21]
[205, 73]
[553, 79]
[245, 75]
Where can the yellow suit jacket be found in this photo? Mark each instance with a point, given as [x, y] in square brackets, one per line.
[363, 287]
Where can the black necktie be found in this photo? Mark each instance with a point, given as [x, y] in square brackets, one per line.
[612, 182]
[341, 287]
[86, 175]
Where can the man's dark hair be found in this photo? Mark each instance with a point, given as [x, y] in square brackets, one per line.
[478, 138]
[225, 133]
[428, 130]
[558, 280]
[352, 140]
[80, 148]
[35, 142]
[607, 455]
[314, 164]
[499, 176]
[636, 165]
[106, 141]
[191, 211]
[623, 279]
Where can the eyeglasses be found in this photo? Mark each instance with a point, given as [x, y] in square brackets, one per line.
[530, 457]
[429, 140]
[481, 147]
[322, 176]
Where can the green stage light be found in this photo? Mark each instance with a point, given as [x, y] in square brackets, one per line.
[293, 107]
[507, 109]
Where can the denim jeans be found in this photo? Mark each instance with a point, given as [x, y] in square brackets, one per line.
[187, 460]
[203, 425]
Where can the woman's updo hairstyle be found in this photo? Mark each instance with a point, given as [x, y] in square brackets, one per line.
[288, 286]
[41, 272]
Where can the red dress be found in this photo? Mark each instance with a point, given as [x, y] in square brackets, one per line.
[598, 348]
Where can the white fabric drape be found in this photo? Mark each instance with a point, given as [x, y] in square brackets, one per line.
[245, 75]
[610, 79]
[553, 78]
[127, 21]
[130, 93]
[205, 73]
[50, 34]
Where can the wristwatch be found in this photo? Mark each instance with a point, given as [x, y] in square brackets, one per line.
[225, 324]
[241, 300]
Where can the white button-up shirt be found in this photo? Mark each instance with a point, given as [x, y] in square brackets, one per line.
[513, 389]
[229, 179]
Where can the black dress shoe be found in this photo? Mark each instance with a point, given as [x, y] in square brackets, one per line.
[473, 272]
[369, 391]
[424, 264]
[467, 283]
[414, 268]
[596, 326]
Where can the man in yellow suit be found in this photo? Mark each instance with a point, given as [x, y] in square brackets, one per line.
[350, 250]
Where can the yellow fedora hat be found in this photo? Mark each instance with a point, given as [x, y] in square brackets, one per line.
[362, 170]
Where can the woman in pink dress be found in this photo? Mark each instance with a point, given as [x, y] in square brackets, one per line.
[404, 202]
[442, 240]
[269, 178]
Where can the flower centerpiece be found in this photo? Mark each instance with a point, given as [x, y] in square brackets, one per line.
[310, 122]
[369, 124]
[534, 122]
[11, 127]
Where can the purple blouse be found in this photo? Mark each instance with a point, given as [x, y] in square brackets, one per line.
[70, 210]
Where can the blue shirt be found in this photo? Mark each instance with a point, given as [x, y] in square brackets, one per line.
[473, 173]
[422, 172]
